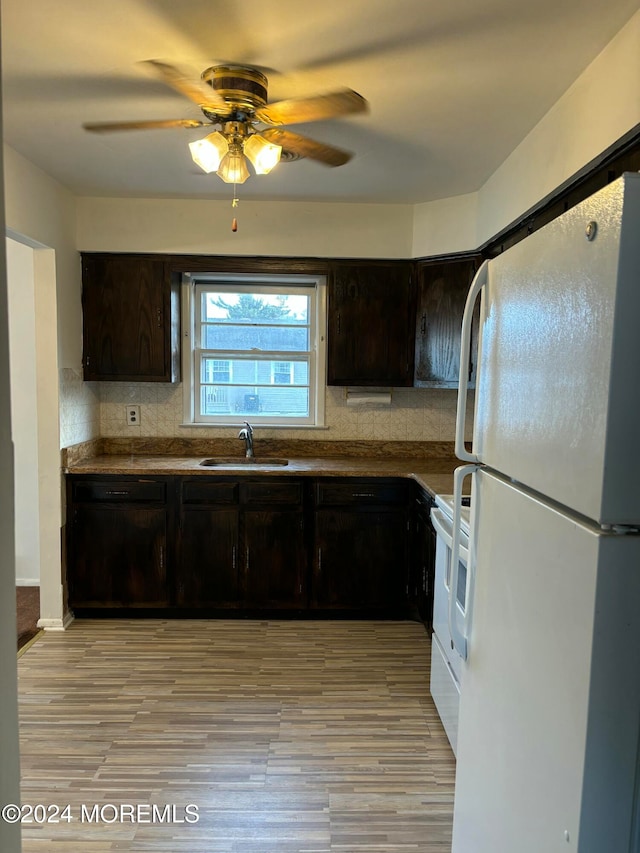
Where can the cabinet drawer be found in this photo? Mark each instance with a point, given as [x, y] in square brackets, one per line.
[272, 492]
[201, 491]
[119, 490]
[360, 493]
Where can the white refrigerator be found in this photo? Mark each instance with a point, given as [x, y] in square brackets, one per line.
[548, 755]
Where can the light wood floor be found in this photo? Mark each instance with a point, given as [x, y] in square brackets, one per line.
[289, 737]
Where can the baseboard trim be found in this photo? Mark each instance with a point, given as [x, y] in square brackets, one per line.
[56, 624]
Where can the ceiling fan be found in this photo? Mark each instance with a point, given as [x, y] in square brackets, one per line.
[234, 99]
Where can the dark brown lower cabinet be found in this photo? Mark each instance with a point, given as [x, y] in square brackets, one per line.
[211, 543]
[275, 559]
[361, 560]
[360, 545]
[118, 556]
[208, 573]
[241, 544]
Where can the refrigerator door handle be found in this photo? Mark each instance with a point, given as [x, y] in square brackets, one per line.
[458, 637]
[479, 281]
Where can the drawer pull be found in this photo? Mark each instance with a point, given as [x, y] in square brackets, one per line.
[364, 495]
[117, 491]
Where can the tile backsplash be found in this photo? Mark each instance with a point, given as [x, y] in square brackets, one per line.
[79, 406]
[415, 414]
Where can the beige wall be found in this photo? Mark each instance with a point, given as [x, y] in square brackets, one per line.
[445, 226]
[24, 407]
[9, 749]
[295, 229]
[41, 214]
[42, 210]
[600, 107]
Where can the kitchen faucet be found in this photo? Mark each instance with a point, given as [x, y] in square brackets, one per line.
[246, 434]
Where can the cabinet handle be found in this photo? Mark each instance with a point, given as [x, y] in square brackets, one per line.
[338, 323]
[117, 492]
[162, 556]
[159, 316]
[319, 560]
[423, 325]
[247, 563]
[364, 495]
[233, 557]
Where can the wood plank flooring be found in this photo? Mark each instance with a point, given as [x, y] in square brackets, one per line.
[289, 737]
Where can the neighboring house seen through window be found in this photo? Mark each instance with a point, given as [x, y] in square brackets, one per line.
[257, 350]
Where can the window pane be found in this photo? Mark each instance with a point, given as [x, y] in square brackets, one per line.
[244, 371]
[260, 308]
[233, 336]
[237, 400]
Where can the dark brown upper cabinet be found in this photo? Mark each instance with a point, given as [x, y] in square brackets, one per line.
[371, 316]
[442, 293]
[131, 307]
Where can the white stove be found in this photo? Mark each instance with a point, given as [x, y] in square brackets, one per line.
[445, 502]
[446, 663]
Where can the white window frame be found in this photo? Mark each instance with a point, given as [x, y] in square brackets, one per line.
[317, 355]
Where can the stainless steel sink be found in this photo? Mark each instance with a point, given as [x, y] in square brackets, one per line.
[241, 461]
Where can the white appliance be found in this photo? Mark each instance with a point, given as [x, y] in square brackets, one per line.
[548, 749]
[446, 663]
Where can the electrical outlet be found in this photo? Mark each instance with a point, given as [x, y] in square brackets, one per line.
[133, 415]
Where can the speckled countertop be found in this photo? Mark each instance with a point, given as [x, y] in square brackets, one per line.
[430, 464]
[433, 475]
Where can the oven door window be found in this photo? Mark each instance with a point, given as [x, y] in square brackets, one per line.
[461, 592]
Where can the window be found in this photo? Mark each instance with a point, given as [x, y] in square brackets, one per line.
[282, 373]
[257, 349]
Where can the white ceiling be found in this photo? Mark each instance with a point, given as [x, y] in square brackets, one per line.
[453, 87]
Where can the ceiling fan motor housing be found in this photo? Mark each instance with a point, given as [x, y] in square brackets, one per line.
[244, 89]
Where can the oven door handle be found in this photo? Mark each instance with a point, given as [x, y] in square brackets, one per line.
[444, 529]
[458, 636]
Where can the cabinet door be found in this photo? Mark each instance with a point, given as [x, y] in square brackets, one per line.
[274, 555]
[360, 559]
[118, 557]
[130, 319]
[442, 293]
[208, 562]
[371, 324]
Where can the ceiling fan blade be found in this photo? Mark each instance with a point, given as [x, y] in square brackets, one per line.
[161, 124]
[196, 90]
[297, 110]
[305, 147]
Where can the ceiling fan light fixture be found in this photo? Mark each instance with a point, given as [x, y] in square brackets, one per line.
[210, 151]
[263, 155]
[233, 168]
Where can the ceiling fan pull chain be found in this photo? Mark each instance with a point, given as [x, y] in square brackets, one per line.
[234, 203]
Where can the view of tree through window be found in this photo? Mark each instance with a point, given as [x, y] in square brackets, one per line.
[254, 351]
